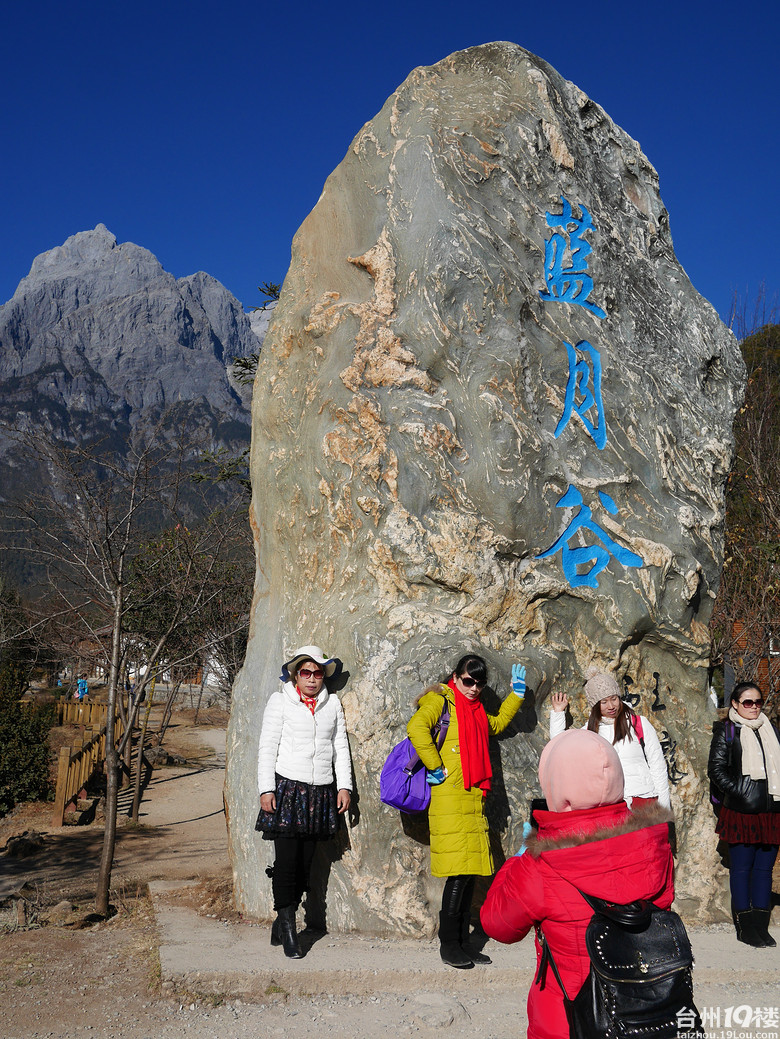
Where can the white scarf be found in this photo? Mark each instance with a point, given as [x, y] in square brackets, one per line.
[752, 759]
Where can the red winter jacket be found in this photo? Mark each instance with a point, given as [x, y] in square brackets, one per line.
[607, 852]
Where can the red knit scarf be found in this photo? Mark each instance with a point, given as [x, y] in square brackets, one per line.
[473, 735]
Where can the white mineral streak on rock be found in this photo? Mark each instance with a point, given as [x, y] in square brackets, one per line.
[406, 468]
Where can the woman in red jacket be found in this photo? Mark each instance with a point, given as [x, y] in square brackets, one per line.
[588, 839]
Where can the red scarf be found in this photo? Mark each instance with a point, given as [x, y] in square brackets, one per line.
[308, 701]
[473, 734]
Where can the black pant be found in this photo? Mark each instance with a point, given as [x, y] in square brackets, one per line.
[458, 892]
[292, 868]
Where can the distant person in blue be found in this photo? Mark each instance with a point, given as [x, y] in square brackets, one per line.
[82, 688]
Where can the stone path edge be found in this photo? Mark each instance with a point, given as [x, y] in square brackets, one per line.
[213, 958]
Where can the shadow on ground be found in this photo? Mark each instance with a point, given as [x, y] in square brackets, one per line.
[167, 841]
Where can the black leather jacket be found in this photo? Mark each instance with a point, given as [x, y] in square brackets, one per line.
[739, 793]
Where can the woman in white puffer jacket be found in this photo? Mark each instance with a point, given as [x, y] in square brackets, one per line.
[303, 742]
[632, 735]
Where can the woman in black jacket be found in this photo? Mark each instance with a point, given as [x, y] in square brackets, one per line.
[744, 766]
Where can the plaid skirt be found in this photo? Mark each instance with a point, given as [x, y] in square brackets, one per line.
[302, 810]
[746, 828]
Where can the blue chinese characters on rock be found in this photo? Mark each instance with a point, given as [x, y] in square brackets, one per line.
[568, 281]
[572, 558]
[583, 393]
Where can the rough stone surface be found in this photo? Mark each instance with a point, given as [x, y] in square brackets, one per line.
[159, 757]
[59, 915]
[406, 467]
[23, 845]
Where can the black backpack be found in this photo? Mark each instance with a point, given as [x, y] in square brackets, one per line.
[640, 980]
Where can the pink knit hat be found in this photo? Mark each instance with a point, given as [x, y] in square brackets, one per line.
[580, 769]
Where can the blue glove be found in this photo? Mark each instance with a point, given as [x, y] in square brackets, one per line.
[527, 831]
[438, 775]
[518, 680]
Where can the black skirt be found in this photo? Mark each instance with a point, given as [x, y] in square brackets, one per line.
[302, 810]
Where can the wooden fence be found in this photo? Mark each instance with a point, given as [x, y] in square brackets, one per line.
[79, 763]
[71, 712]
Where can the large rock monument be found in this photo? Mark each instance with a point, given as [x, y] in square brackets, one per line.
[491, 414]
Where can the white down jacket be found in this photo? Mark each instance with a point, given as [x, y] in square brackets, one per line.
[644, 771]
[303, 746]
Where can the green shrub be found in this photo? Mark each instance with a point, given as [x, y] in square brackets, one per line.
[24, 742]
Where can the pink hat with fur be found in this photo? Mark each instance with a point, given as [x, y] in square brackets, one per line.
[580, 769]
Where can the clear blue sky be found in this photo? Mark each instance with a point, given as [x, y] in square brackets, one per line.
[204, 131]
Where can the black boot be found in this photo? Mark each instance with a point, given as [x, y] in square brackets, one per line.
[465, 944]
[746, 928]
[314, 918]
[761, 927]
[276, 938]
[449, 937]
[288, 933]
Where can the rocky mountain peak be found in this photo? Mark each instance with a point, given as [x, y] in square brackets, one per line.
[92, 266]
[87, 248]
[109, 312]
[98, 341]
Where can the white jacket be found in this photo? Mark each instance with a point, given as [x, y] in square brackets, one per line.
[643, 777]
[303, 746]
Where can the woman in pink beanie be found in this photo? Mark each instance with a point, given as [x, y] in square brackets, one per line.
[587, 839]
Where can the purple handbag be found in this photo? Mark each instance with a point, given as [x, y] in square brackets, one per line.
[402, 783]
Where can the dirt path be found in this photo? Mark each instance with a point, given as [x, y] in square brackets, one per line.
[191, 968]
[181, 831]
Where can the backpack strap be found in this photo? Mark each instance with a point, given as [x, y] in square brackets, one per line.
[729, 731]
[440, 728]
[627, 914]
[636, 722]
[443, 723]
[547, 959]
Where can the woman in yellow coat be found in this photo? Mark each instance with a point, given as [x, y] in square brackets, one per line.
[460, 776]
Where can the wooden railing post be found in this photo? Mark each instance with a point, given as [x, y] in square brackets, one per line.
[62, 786]
[77, 765]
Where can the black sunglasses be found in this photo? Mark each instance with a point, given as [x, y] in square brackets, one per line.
[469, 682]
[751, 703]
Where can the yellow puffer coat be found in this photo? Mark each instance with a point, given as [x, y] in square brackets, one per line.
[459, 830]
